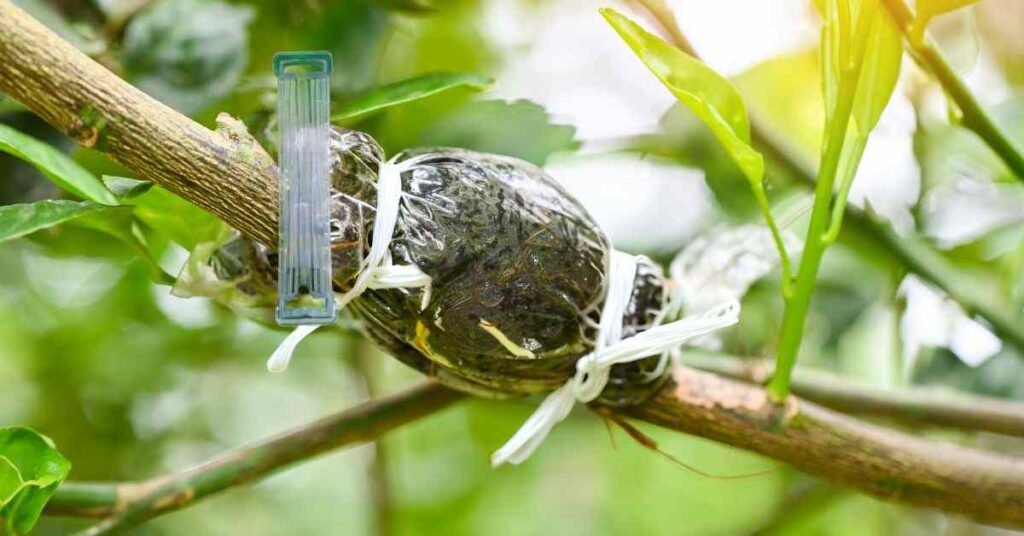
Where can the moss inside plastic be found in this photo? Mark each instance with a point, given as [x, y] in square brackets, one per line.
[517, 265]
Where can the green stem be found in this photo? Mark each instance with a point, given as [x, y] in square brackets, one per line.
[975, 118]
[780, 244]
[850, 159]
[799, 300]
[910, 253]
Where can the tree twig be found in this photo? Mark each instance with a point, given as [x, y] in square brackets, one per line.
[914, 405]
[229, 178]
[126, 504]
[912, 253]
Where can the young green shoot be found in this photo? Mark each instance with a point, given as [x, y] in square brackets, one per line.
[860, 66]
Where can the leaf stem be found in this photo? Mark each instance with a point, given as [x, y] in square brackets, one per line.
[975, 118]
[780, 244]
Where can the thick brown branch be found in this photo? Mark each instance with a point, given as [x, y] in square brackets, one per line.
[887, 464]
[129, 503]
[89, 103]
[917, 406]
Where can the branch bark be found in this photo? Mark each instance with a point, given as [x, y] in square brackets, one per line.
[126, 504]
[225, 177]
[887, 464]
[89, 103]
[915, 406]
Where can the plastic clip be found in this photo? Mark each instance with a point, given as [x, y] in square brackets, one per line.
[305, 293]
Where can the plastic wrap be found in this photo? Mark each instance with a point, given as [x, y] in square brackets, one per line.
[517, 266]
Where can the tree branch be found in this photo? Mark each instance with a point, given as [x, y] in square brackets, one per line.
[913, 254]
[881, 462]
[89, 103]
[916, 406]
[887, 464]
[127, 504]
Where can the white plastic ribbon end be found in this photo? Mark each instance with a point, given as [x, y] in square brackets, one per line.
[283, 354]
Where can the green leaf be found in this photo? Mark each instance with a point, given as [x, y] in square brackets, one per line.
[164, 212]
[10, 480]
[187, 53]
[57, 166]
[126, 189]
[863, 56]
[408, 90]
[520, 129]
[30, 471]
[182, 222]
[22, 219]
[859, 40]
[880, 69]
[835, 29]
[711, 97]
[120, 223]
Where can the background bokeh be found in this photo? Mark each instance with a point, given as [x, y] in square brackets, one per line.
[132, 382]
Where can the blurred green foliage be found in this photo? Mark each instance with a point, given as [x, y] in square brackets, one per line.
[187, 53]
[131, 382]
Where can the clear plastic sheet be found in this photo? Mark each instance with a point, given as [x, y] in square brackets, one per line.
[517, 265]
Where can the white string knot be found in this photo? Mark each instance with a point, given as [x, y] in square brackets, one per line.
[593, 370]
[376, 270]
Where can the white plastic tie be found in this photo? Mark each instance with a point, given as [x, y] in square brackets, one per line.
[377, 272]
[283, 354]
[593, 369]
